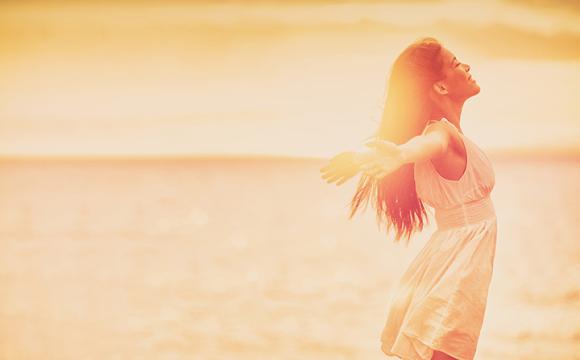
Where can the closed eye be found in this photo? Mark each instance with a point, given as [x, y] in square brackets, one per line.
[455, 60]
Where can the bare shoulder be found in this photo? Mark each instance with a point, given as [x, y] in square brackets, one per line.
[442, 131]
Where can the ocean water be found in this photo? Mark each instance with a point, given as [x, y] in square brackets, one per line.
[223, 258]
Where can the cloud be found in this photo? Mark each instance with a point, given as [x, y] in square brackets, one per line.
[499, 40]
[549, 4]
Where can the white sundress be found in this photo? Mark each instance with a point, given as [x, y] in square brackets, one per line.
[439, 302]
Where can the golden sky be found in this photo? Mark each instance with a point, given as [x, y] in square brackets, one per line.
[271, 77]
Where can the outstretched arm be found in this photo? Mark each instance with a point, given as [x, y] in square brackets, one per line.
[385, 157]
[432, 144]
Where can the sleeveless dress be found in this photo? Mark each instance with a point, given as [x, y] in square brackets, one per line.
[439, 302]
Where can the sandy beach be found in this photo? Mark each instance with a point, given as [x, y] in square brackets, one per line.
[254, 259]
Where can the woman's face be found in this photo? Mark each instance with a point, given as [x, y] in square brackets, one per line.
[458, 81]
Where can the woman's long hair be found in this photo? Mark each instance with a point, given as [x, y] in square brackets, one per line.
[408, 107]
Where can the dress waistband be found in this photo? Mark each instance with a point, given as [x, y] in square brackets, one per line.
[464, 214]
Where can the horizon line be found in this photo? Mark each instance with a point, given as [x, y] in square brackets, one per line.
[572, 153]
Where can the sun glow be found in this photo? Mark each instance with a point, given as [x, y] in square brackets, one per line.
[141, 78]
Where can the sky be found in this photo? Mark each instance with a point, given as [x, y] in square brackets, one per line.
[298, 78]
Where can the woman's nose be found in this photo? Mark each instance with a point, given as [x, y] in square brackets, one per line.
[467, 67]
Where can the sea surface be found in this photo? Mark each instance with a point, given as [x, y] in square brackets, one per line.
[254, 258]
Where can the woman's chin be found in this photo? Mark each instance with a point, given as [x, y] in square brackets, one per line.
[475, 89]
[467, 92]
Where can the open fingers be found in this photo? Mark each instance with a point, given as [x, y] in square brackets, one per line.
[330, 177]
[344, 179]
[334, 176]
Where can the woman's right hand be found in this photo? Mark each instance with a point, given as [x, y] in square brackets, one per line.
[378, 159]
[388, 158]
[342, 167]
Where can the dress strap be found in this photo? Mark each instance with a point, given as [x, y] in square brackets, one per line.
[427, 124]
[455, 127]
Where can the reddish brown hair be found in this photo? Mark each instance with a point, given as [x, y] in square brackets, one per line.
[408, 107]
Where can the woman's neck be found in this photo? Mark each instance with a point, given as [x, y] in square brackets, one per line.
[451, 111]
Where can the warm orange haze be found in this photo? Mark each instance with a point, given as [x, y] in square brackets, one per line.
[305, 78]
[160, 195]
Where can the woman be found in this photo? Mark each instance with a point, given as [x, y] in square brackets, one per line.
[420, 156]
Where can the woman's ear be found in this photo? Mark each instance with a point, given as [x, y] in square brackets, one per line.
[440, 88]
